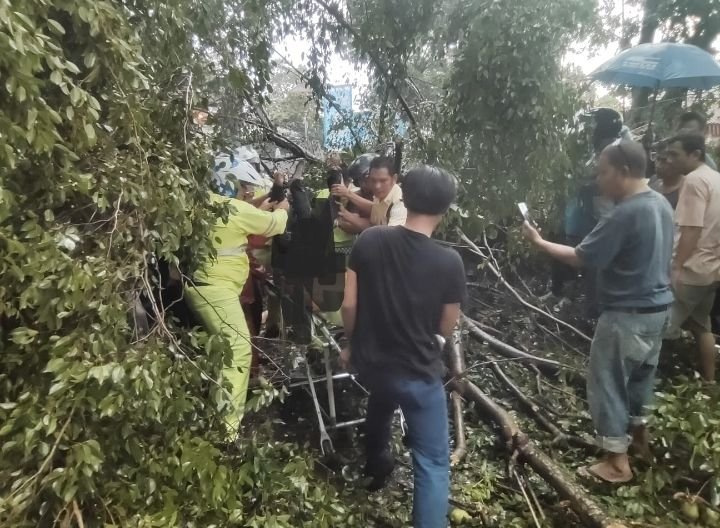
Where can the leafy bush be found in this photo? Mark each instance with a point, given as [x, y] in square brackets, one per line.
[102, 174]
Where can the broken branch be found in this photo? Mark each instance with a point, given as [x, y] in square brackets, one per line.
[518, 442]
[548, 365]
[477, 251]
[533, 410]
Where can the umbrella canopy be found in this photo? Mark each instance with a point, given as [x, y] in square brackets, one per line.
[664, 65]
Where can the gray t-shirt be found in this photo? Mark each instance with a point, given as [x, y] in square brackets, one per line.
[631, 248]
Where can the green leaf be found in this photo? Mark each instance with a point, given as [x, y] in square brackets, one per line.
[89, 59]
[90, 133]
[71, 67]
[56, 77]
[55, 26]
[76, 95]
[31, 118]
[55, 365]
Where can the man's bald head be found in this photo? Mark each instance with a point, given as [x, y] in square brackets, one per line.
[627, 156]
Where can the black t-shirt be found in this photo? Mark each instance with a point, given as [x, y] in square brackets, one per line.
[404, 280]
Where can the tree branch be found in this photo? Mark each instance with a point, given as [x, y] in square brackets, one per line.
[284, 142]
[319, 91]
[533, 410]
[476, 250]
[380, 67]
[518, 443]
[457, 368]
[548, 365]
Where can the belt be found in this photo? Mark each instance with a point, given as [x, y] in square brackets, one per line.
[643, 310]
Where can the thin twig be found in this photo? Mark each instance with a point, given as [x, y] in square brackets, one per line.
[534, 410]
[475, 249]
[562, 340]
[77, 514]
[525, 496]
[50, 455]
[511, 351]
[381, 68]
[115, 222]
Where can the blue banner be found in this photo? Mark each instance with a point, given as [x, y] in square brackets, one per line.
[342, 127]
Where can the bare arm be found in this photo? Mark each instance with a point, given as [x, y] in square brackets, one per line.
[688, 242]
[349, 305]
[258, 201]
[363, 205]
[449, 319]
[352, 223]
[565, 254]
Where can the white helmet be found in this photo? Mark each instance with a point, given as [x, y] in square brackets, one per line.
[248, 154]
[229, 170]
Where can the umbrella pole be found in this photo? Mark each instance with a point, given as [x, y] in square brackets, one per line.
[652, 107]
[648, 137]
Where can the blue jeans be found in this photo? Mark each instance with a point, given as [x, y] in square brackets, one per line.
[424, 405]
[623, 359]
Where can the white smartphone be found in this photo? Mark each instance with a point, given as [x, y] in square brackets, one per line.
[525, 212]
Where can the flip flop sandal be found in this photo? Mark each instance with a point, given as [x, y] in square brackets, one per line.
[587, 473]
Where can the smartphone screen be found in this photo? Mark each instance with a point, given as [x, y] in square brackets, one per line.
[525, 212]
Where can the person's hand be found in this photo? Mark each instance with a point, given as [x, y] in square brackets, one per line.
[675, 279]
[267, 205]
[346, 217]
[340, 190]
[531, 233]
[345, 358]
[279, 178]
[282, 205]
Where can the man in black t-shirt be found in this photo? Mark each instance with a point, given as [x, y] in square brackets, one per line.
[402, 291]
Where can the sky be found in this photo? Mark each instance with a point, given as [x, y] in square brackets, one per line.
[342, 71]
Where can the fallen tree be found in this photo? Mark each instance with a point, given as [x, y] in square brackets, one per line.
[460, 450]
[495, 269]
[520, 447]
[549, 366]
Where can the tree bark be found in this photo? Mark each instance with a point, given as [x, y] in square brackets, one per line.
[456, 369]
[533, 410]
[518, 443]
[548, 366]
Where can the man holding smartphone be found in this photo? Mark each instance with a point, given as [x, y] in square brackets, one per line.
[630, 248]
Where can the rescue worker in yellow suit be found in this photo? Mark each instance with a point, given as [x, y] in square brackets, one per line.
[214, 294]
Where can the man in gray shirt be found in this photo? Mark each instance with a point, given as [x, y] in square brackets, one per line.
[631, 249]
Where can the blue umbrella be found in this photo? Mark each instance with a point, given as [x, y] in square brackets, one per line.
[658, 66]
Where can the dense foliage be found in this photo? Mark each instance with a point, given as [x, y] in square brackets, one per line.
[103, 173]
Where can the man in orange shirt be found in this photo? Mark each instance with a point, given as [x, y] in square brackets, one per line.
[696, 263]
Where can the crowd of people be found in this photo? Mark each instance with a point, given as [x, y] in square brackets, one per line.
[655, 258]
[650, 248]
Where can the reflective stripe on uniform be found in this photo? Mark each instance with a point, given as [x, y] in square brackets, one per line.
[232, 252]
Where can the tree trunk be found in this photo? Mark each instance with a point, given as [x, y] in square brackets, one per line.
[641, 96]
[518, 443]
